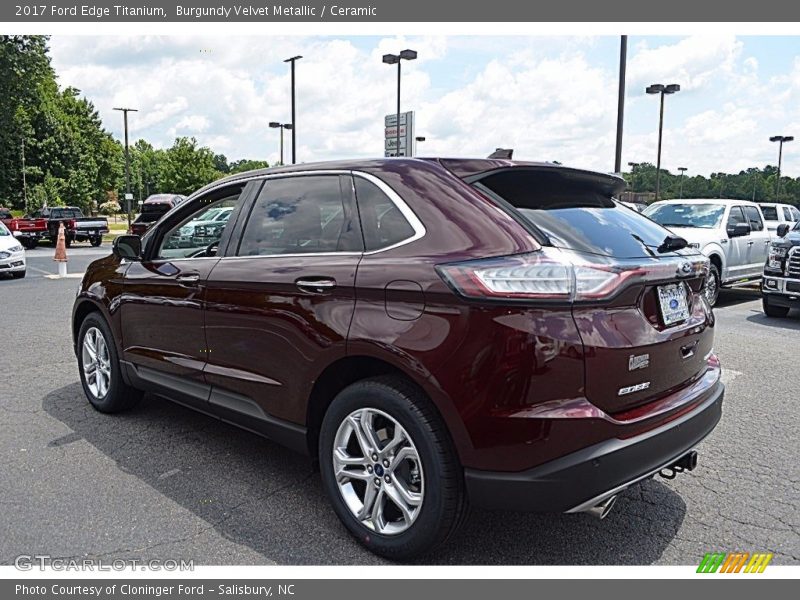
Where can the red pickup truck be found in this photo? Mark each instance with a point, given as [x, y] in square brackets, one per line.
[27, 230]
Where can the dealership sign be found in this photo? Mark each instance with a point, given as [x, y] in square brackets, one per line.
[390, 125]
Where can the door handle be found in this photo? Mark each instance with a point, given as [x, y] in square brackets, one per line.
[750, 243]
[316, 286]
[188, 278]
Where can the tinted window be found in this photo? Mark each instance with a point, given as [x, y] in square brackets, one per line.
[578, 215]
[787, 214]
[770, 213]
[736, 216]
[299, 215]
[704, 216]
[65, 213]
[198, 234]
[754, 217]
[382, 222]
[796, 214]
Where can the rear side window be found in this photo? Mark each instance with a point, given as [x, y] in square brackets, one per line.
[787, 214]
[770, 213]
[574, 214]
[382, 222]
[299, 215]
[754, 217]
[795, 214]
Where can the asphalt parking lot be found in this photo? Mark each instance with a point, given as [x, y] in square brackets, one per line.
[164, 482]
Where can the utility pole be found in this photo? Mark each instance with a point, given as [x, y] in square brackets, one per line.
[128, 195]
[24, 181]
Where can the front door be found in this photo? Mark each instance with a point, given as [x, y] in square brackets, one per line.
[279, 304]
[162, 304]
[737, 246]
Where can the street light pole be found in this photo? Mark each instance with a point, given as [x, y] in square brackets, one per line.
[281, 126]
[680, 180]
[391, 59]
[125, 112]
[780, 139]
[294, 118]
[658, 88]
[623, 59]
[24, 181]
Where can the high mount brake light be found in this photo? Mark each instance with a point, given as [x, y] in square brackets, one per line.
[552, 274]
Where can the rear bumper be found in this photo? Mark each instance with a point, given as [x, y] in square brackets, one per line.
[584, 478]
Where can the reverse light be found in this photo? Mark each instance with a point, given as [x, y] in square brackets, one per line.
[553, 274]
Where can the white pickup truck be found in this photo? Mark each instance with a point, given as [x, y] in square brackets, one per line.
[731, 233]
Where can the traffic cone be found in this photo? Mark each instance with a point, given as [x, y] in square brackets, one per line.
[61, 252]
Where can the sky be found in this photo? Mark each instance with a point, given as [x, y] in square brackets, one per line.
[548, 98]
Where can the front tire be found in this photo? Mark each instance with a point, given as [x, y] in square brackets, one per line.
[101, 375]
[18, 274]
[779, 312]
[713, 285]
[389, 468]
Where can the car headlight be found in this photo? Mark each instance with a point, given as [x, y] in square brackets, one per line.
[17, 248]
[779, 251]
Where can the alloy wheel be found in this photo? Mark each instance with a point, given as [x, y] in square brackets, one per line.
[378, 471]
[96, 362]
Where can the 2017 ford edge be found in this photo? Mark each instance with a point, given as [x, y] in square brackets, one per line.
[436, 333]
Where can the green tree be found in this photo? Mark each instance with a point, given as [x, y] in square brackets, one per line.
[187, 167]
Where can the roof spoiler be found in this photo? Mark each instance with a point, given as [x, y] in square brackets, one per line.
[506, 153]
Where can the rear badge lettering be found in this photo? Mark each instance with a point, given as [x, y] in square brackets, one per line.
[641, 361]
[633, 388]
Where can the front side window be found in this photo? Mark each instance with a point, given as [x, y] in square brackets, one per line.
[299, 215]
[382, 222]
[754, 218]
[199, 234]
[736, 217]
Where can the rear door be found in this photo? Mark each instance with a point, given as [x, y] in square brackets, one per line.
[758, 245]
[279, 304]
[631, 353]
[738, 247]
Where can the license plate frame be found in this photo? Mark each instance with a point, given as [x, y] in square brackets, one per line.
[673, 302]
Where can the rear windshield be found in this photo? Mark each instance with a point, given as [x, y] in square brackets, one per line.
[577, 215]
[770, 213]
[703, 216]
[65, 213]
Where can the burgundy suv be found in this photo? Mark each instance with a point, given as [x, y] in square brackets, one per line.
[435, 332]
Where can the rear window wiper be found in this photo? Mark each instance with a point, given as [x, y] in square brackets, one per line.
[672, 243]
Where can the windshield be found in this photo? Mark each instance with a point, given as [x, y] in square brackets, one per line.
[4, 230]
[704, 216]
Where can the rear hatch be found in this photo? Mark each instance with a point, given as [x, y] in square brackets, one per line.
[647, 332]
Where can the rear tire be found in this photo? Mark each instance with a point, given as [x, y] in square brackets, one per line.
[28, 244]
[713, 285]
[96, 241]
[100, 371]
[421, 472]
[778, 312]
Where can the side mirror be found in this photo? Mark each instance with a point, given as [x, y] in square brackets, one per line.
[783, 229]
[739, 230]
[128, 247]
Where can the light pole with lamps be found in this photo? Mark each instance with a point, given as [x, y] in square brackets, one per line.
[680, 181]
[780, 139]
[281, 126]
[391, 59]
[294, 118]
[658, 88]
[128, 195]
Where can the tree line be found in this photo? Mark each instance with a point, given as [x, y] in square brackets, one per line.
[70, 158]
[55, 150]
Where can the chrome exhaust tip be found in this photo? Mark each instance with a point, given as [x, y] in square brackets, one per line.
[601, 510]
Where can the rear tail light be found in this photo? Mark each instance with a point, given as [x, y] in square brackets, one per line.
[553, 274]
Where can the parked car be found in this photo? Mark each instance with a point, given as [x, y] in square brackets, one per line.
[27, 230]
[12, 254]
[776, 214]
[731, 233]
[77, 227]
[153, 208]
[436, 333]
[637, 206]
[780, 289]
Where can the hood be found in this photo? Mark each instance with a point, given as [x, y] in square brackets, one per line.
[789, 240]
[7, 242]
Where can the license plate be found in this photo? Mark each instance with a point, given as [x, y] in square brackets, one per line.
[673, 303]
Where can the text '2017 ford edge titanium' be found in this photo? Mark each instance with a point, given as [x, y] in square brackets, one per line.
[437, 333]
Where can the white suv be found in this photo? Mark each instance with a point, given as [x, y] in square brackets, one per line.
[731, 233]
